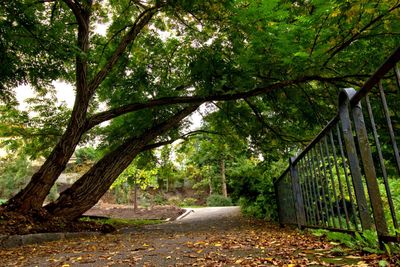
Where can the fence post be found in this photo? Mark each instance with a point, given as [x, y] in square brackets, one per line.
[344, 100]
[370, 173]
[297, 195]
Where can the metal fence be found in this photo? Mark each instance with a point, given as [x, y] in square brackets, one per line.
[348, 178]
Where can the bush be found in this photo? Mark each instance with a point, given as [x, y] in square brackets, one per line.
[159, 199]
[187, 202]
[218, 201]
[14, 174]
[86, 154]
[263, 207]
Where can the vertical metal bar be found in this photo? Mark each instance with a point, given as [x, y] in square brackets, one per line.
[315, 190]
[310, 190]
[353, 161]
[327, 186]
[302, 179]
[333, 182]
[349, 187]
[320, 197]
[390, 127]
[382, 162]
[297, 195]
[370, 173]
[339, 180]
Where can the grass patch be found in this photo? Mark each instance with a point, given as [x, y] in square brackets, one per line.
[122, 222]
[2, 201]
[192, 206]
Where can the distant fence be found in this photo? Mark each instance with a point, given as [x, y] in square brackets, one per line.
[345, 179]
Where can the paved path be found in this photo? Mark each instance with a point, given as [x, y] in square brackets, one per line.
[212, 213]
[205, 237]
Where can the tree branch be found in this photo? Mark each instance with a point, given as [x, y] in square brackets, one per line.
[168, 142]
[142, 20]
[113, 113]
[357, 34]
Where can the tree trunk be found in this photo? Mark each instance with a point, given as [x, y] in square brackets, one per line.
[34, 194]
[210, 185]
[135, 196]
[223, 179]
[87, 191]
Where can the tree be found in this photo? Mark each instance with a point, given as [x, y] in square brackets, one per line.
[87, 80]
[139, 174]
[270, 48]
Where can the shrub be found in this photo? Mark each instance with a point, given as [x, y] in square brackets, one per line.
[14, 174]
[159, 199]
[86, 154]
[187, 202]
[218, 201]
[174, 201]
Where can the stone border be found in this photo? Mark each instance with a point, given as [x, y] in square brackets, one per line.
[21, 240]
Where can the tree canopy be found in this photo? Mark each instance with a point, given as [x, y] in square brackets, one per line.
[271, 68]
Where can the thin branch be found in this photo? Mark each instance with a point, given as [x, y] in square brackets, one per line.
[142, 20]
[185, 136]
[356, 36]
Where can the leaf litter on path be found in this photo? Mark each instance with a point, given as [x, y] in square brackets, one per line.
[245, 242]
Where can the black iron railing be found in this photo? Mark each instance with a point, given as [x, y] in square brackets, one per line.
[345, 178]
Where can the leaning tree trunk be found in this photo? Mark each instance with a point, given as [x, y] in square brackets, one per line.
[88, 190]
[34, 194]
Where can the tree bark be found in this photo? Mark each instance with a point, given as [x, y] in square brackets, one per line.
[223, 179]
[87, 191]
[34, 194]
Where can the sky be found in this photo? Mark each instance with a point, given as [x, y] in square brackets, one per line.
[64, 92]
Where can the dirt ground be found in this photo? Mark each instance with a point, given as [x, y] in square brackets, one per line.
[234, 241]
[40, 221]
[128, 212]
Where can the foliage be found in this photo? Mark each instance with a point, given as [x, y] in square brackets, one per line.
[159, 199]
[219, 201]
[394, 185]
[366, 241]
[35, 131]
[87, 154]
[140, 174]
[254, 45]
[14, 174]
[188, 202]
